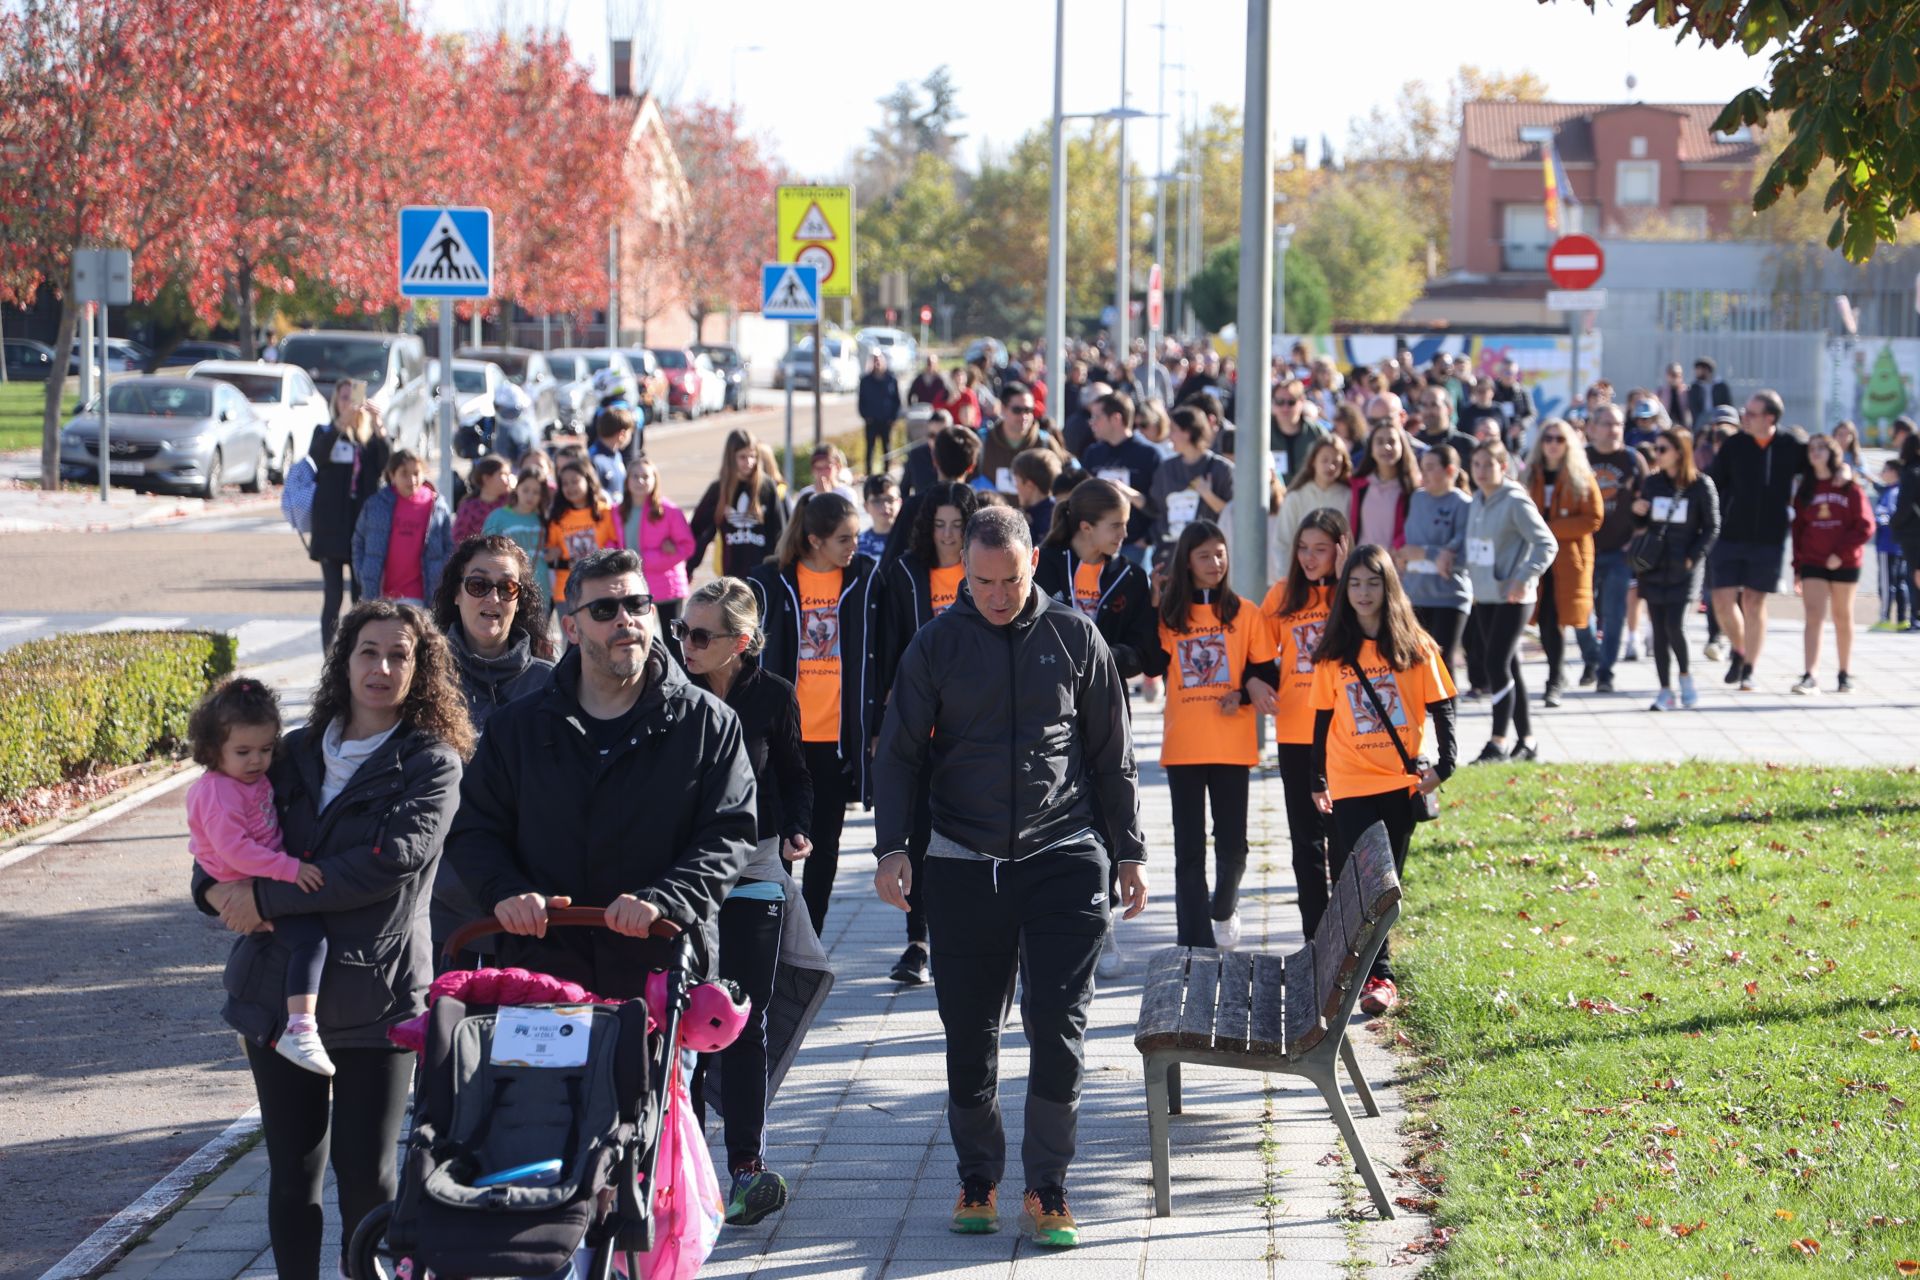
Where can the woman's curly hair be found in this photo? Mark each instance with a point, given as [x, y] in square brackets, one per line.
[529, 607]
[435, 706]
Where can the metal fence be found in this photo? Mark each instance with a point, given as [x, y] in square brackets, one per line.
[1790, 362]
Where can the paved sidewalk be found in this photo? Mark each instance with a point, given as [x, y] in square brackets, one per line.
[859, 1131]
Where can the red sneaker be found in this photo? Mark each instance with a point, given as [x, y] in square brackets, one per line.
[1378, 996]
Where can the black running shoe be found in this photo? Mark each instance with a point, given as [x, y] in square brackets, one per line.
[911, 969]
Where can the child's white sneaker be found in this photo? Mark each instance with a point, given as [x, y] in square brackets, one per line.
[303, 1049]
[1226, 933]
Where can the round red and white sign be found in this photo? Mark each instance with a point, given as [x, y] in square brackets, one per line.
[1575, 262]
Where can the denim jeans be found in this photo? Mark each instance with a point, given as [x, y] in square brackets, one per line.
[1611, 578]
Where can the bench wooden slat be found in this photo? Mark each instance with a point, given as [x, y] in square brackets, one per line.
[1334, 961]
[1233, 1014]
[1165, 992]
[1346, 892]
[1379, 885]
[1305, 1027]
[1203, 989]
[1267, 1031]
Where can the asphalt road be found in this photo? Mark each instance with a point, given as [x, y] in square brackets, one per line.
[114, 1064]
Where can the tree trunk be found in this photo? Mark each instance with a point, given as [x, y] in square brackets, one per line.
[243, 299]
[56, 389]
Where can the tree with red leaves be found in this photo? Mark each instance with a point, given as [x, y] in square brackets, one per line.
[732, 180]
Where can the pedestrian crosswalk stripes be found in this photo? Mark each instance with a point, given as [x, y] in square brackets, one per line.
[261, 639]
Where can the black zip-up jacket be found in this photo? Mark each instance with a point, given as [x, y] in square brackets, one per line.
[906, 605]
[667, 815]
[1756, 487]
[778, 592]
[769, 717]
[378, 842]
[1683, 546]
[1125, 617]
[339, 491]
[1023, 731]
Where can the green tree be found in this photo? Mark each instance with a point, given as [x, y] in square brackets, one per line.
[1367, 244]
[1843, 81]
[919, 228]
[1216, 291]
[916, 120]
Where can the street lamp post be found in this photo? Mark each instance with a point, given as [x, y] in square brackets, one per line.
[1057, 226]
[1251, 453]
[1122, 267]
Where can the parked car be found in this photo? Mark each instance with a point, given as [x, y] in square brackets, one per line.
[687, 379]
[187, 354]
[283, 397]
[528, 370]
[28, 361]
[393, 365]
[839, 367]
[650, 380]
[896, 346]
[994, 349]
[124, 355]
[731, 366]
[168, 432]
[474, 382]
[574, 368]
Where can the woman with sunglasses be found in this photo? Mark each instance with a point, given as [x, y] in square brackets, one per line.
[820, 610]
[721, 638]
[1676, 521]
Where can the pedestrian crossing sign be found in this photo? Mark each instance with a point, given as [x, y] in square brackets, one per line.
[790, 291]
[445, 252]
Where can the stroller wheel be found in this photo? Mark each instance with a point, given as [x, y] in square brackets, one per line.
[369, 1257]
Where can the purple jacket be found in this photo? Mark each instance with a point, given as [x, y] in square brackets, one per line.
[666, 569]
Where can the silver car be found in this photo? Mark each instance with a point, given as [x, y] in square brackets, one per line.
[182, 434]
[573, 368]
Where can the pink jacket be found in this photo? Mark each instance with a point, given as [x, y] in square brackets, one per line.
[233, 831]
[666, 570]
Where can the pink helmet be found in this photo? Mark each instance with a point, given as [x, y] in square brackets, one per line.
[716, 1014]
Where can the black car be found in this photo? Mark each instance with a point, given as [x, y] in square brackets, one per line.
[28, 361]
[727, 359]
[193, 352]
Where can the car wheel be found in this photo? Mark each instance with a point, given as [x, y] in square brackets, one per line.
[278, 473]
[210, 487]
[257, 482]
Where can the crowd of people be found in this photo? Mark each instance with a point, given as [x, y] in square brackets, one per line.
[566, 691]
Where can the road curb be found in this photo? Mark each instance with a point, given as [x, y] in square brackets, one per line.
[29, 845]
[103, 1246]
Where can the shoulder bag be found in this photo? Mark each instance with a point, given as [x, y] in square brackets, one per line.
[1426, 805]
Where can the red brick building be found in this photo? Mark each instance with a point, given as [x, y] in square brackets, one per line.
[1638, 166]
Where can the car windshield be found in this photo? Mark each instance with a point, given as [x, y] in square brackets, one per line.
[160, 400]
[331, 359]
[565, 368]
[515, 367]
[724, 357]
[469, 381]
[596, 363]
[670, 359]
[260, 388]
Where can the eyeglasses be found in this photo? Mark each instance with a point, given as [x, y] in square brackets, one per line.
[1381, 422]
[1282, 402]
[481, 587]
[608, 608]
[1553, 439]
[1022, 409]
[697, 637]
[1663, 447]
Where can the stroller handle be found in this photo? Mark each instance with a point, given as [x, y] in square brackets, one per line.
[566, 917]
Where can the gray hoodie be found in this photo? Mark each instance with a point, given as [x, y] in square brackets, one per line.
[1507, 541]
[1435, 525]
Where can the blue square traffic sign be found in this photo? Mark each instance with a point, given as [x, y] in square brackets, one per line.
[790, 291]
[446, 252]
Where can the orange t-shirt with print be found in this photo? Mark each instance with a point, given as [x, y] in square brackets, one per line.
[818, 685]
[943, 586]
[577, 534]
[1209, 660]
[1086, 587]
[1295, 637]
[1361, 759]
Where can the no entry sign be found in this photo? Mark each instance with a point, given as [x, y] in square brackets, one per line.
[1575, 262]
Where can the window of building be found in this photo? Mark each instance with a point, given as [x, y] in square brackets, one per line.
[1636, 182]
[1637, 148]
[1524, 239]
[1689, 219]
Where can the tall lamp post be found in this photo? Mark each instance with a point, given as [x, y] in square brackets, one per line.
[1251, 456]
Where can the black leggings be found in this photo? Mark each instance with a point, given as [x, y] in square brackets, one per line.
[1189, 786]
[1307, 829]
[1669, 637]
[1500, 626]
[879, 436]
[1446, 626]
[369, 1101]
[749, 954]
[832, 789]
[1476, 650]
[1351, 818]
[335, 578]
[1552, 638]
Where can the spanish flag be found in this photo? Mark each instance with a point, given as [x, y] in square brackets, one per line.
[1557, 187]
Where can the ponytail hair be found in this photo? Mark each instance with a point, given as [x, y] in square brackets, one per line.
[816, 515]
[1090, 502]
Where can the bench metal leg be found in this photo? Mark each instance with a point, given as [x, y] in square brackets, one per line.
[1173, 1088]
[1353, 1073]
[1330, 1090]
[1157, 1068]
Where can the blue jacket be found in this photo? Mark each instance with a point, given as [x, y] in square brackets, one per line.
[375, 526]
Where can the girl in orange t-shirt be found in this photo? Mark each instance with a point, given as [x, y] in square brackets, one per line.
[1360, 777]
[1217, 654]
[581, 520]
[1296, 611]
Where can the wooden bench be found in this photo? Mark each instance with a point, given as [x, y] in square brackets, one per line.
[1266, 1013]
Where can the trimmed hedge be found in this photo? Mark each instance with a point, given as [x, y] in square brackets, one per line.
[73, 702]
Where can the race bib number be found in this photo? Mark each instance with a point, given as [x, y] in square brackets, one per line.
[1670, 510]
[1183, 508]
[1480, 552]
[1115, 475]
[537, 1037]
[1422, 566]
[342, 452]
[1003, 480]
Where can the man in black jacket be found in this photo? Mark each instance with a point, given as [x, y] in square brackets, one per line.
[1754, 472]
[1010, 704]
[879, 409]
[1707, 391]
[620, 785]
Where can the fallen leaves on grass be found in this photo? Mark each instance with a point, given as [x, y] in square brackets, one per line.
[1685, 1229]
[1907, 1267]
[1785, 1215]
[1806, 1246]
[1602, 1005]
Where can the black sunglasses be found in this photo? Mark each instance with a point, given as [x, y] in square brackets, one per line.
[480, 588]
[609, 607]
[1381, 422]
[697, 637]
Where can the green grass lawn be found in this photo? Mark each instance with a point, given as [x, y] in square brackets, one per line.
[21, 404]
[1669, 1015]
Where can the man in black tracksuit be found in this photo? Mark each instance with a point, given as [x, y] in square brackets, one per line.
[1010, 704]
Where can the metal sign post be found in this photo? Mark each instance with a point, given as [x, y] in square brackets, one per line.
[447, 406]
[103, 276]
[787, 381]
[446, 253]
[790, 291]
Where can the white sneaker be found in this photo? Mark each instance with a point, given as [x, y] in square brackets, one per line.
[303, 1049]
[1111, 961]
[1226, 933]
[1689, 696]
[1714, 651]
[1633, 649]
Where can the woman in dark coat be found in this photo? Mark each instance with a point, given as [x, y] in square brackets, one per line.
[366, 790]
[349, 458]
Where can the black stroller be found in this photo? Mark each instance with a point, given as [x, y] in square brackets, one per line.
[514, 1162]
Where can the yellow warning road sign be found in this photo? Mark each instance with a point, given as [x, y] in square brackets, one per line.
[815, 225]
